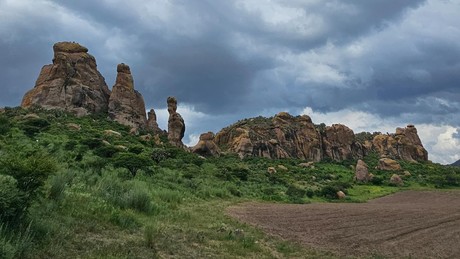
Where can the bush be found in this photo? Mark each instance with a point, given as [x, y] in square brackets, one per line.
[330, 191]
[132, 162]
[138, 199]
[4, 125]
[106, 151]
[33, 126]
[11, 199]
[160, 154]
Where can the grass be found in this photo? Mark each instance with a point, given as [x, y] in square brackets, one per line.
[91, 200]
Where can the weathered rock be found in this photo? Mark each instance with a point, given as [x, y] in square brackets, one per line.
[71, 83]
[282, 168]
[407, 173]
[73, 126]
[126, 105]
[308, 164]
[405, 144]
[152, 124]
[206, 146]
[283, 136]
[388, 164]
[31, 116]
[396, 179]
[176, 125]
[271, 170]
[362, 172]
[340, 144]
[112, 133]
[341, 195]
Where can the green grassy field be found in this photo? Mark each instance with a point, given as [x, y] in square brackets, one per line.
[68, 193]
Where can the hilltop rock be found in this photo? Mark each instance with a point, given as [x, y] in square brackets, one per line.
[152, 124]
[362, 172]
[340, 144]
[176, 125]
[405, 144]
[126, 105]
[206, 146]
[71, 83]
[283, 136]
[388, 164]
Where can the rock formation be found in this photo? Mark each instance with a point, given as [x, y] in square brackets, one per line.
[405, 144]
[283, 136]
[71, 83]
[176, 125]
[126, 105]
[362, 172]
[388, 164]
[152, 124]
[206, 146]
[340, 144]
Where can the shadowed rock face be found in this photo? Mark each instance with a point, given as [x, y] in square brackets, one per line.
[126, 105]
[176, 125]
[152, 124]
[206, 146]
[71, 83]
[405, 144]
[340, 143]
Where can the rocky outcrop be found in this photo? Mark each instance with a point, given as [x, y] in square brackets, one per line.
[388, 164]
[206, 146]
[362, 172]
[339, 143]
[405, 144]
[126, 105]
[176, 125]
[152, 124]
[71, 83]
[283, 136]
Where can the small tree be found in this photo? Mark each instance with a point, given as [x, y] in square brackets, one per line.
[131, 161]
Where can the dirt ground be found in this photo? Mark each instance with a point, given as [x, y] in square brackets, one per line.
[411, 224]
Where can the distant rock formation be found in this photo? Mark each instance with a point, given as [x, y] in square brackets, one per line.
[339, 143]
[176, 125]
[126, 105]
[405, 144]
[283, 136]
[457, 163]
[71, 83]
[206, 146]
[152, 124]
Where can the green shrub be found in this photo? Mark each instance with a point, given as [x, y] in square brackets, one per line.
[14, 245]
[160, 154]
[138, 199]
[132, 162]
[106, 151]
[4, 125]
[11, 199]
[330, 191]
[33, 126]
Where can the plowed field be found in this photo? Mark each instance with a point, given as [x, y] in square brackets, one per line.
[415, 224]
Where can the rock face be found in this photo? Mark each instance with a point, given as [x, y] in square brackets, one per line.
[362, 172]
[206, 146]
[71, 83]
[405, 144]
[388, 164]
[283, 136]
[152, 124]
[340, 144]
[126, 105]
[176, 125]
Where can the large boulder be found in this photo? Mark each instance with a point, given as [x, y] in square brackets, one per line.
[72, 83]
[340, 144]
[283, 136]
[126, 105]
[388, 164]
[362, 172]
[176, 125]
[405, 144]
[206, 145]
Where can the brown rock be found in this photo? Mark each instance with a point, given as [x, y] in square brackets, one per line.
[112, 133]
[396, 179]
[206, 146]
[282, 167]
[271, 170]
[146, 137]
[176, 125]
[152, 124]
[309, 164]
[388, 164]
[31, 116]
[407, 173]
[341, 195]
[73, 126]
[126, 105]
[340, 144]
[71, 83]
[362, 172]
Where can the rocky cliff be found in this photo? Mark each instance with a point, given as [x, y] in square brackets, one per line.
[176, 125]
[71, 83]
[286, 136]
[126, 105]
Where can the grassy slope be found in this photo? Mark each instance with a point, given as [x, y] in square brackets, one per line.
[136, 199]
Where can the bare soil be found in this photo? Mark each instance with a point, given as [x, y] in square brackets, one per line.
[411, 224]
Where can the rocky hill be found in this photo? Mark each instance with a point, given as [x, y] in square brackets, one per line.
[286, 136]
[457, 163]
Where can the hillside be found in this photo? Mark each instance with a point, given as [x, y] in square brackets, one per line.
[456, 163]
[90, 187]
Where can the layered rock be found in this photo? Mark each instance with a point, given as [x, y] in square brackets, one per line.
[206, 145]
[283, 136]
[405, 144]
[152, 124]
[339, 143]
[126, 105]
[176, 125]
[71, 83]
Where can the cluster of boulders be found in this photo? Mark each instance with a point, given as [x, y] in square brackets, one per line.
[74, 84]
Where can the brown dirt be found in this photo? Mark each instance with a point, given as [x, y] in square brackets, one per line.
[415, 224]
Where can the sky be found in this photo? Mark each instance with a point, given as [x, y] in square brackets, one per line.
[371, 65]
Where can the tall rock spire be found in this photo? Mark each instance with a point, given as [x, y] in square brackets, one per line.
[176, 125]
